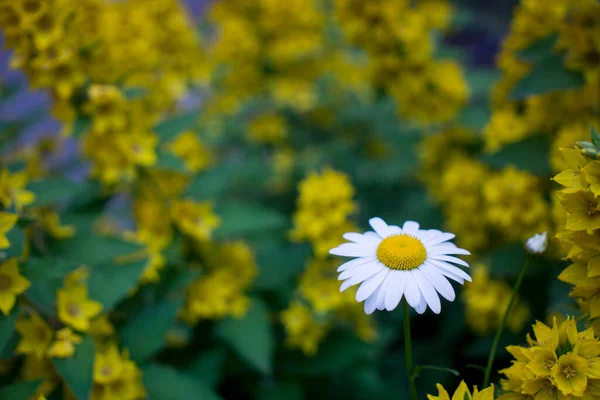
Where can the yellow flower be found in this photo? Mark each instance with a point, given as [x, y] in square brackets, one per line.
[269, 128]
[64, 344]
[12, 189]
[51, 223]
[569, 374]
[583, 211]
[542, 361]
[75, 308]
[302, 331]
[195, 219]
[12, 284]
[36, 336]
[7, 221]
[191, 150]
[106, 106]
[463, 393]
[107, 365]
[101, 327]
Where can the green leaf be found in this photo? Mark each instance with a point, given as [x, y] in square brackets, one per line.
[507, 260]
[133, 93]
[7, 328]
[242, 218]
[81, 125]
[109, 284]
[279, 262]
[549, 76]
[289, 390]
[595, 137]
[170, 162]
[531, 154]
[340, 350]
[167, 129]
[420, 368]
[50, 190]
[211, 184]
[251, 336]
[21, 390]
[166, 383]
[78, 371]
[208, 366]
[154, 322]
[16, 237]
[540, 50]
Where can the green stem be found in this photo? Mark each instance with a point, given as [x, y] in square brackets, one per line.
[513, 297]
[408, 353]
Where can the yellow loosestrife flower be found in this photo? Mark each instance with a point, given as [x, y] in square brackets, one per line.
[12, 190]
[12, 284]
[463, 393]
[36, 336]
[7, 221]
[195, 219]
[64, 344]
[75, 308]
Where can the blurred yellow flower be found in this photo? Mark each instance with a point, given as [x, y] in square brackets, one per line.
[12, 284]
[12, 190]
[7, 221]
[36, 336]
[64, 344]
[463, 393]
[75, 308]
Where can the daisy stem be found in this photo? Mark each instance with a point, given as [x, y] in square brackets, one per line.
[513, 297]
[408, 353]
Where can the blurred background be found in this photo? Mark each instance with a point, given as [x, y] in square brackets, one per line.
[180, 169]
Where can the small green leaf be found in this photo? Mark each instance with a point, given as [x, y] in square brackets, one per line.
[133, 93]
[167, 129]
[540, 50]
[166, 383]
[78, 371]
[110, 283]
[7, 328]
[154, 322]
[170, 162]
[50, 190]
[211, 184]
[21, 390]
[595, 137]
[16, 237]
[420, 368]
[242, 218]
[250, 336]
[208, 366]
[549, 76]
[81, 125]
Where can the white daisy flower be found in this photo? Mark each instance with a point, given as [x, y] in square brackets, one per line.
[393, 262]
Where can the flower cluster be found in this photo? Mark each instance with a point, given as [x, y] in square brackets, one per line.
[560, 362]
[220, 292]
[580, 227]
[575, 26]
[325, 204]
[398, 39]
[486, 300]
[463, 393]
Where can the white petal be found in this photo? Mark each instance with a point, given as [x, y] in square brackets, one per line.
[394, 229]
[445, 248]
[422, 306]
[371, 301]
[395, 290]
[368, 287]
[379, 226]
[361, 239]
[354, 263]
[372, 234]
[451, 271]
[411, 290]
[428, 291]
[439, 281]
[354, 250]
[449, 259]
[366, 270]
[442, 237]
[361, 276]
[380, 303]
[410, 228]
[427, 234]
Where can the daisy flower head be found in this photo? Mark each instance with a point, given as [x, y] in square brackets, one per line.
[392, 262]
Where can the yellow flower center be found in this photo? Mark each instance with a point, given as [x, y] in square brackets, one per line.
[106, 371]
[569, 372]
[401, 252]
[5, 283]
